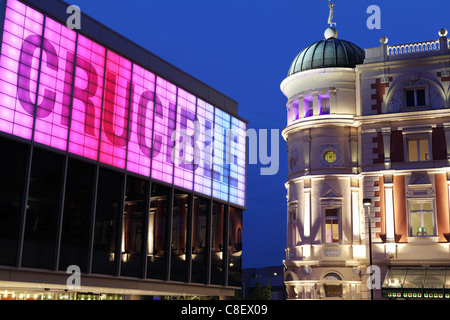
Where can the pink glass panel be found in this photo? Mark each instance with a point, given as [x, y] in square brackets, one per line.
[20, 54]
[221, 172]
[237, 148]
[141, 122]
[87, 99]
[203, 147]
[52, 129]
[114, 137]
[164, 126]
[183, 155]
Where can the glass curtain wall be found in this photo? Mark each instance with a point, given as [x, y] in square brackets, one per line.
[78, 207]
[133, 233]
[108, 212]
[158, 224]
[217, 247]
[12, 176]
[200, 235]
[160, 204]
[179, 246]
[43, 207]
[234, 247]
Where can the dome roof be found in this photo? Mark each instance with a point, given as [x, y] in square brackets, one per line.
[328, 53]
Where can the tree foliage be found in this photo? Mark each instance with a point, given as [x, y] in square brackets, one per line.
[260, 293]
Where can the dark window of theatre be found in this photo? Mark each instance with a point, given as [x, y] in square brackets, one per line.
[235, 247]
[181, 208]
[43, 208]
[415, 97]
[201, 219]
[217, 248]
[13, 161]
[157, 232]
[109, 199]
[133, 239]
[78, 207]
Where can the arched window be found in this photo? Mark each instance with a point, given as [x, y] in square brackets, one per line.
[332, 276]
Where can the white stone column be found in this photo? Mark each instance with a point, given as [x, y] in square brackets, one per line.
[306, 151]
[447, 139]
[355, 216]
[306, 219]
[316, 108]
[386, 133]
[389, 208]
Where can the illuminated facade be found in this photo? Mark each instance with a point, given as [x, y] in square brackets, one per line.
[370, 125]
[110, 167]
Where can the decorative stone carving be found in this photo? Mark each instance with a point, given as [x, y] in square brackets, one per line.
[396, 101]
[435, 98]
[330, 156]
[293, 161]
[437, 101]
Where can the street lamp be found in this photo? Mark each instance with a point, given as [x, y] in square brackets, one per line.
[367, 203]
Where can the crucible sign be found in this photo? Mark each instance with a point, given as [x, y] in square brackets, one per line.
[61, 89]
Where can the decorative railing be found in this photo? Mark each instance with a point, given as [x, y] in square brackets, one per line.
[411, 48]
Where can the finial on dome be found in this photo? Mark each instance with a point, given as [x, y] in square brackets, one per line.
[384, 40]
[330, 17]
[330, 33]
[443, 32]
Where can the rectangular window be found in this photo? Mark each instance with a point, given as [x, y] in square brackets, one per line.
[78, 203]
[133, 237]
[295, 113]
[418, 149]
[332, 225]
[421, 220]
[43, 208]
[415, 97]
[13, 161]
[108, 208]
[160, 203]
[217, 241]
[325, 106]
[235, 247]
[309, 108]
[181, 216]
[200, 236]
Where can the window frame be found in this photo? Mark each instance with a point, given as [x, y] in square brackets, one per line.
[308, 107]
[415, 89]
[322, 105]
[410, 201]
[336, 219]
[292, 220]
[419, 136]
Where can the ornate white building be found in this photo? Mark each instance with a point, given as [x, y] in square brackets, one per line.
[368, 124]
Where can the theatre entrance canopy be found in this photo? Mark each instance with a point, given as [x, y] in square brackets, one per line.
[417, 283]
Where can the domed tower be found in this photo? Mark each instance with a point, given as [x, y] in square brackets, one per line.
[325, 253]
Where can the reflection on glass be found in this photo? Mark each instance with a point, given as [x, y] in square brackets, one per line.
[77, 215]
[42, 210]
[178, 270]
[13, 161]
[235, 247]
[157, 232]
[217, 267]
[199, 239]
[133, 226]
[109, 195]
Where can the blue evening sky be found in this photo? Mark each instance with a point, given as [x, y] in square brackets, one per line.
[243, 48]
